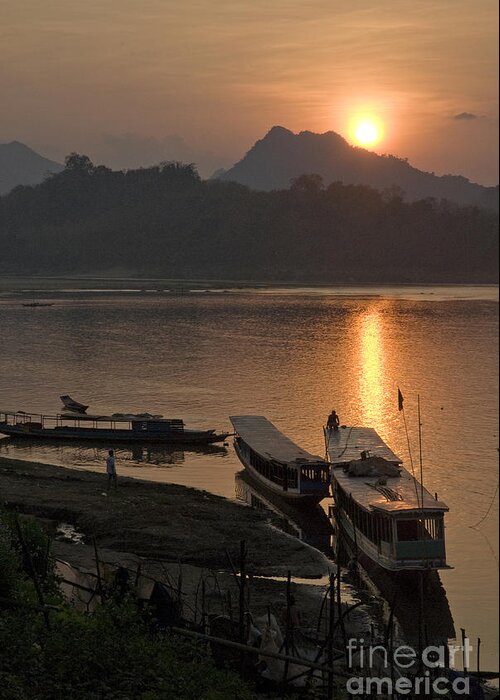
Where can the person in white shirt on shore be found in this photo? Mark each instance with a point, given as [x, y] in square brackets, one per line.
[111, 469]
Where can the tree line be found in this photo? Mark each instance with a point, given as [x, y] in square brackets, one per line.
[166, 221]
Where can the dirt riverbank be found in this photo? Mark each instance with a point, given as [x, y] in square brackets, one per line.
[171, 531]
[166, 522]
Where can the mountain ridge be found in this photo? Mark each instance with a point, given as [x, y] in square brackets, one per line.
[21, 165]
[280, 156]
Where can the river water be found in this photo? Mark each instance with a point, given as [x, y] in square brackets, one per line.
[292, 355]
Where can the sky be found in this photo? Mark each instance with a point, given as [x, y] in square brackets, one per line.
[132, 82]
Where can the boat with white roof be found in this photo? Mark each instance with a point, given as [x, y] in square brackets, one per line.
[381, 510]
[279, 463]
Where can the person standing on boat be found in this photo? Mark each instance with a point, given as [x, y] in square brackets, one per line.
[333, 421]
[111, 469]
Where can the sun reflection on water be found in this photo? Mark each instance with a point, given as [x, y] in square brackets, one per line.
[371, 368]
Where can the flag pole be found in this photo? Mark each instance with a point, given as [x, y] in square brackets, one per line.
[401, 408]
[420, 452]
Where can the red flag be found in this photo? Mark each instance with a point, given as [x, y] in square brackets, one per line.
[400, 400]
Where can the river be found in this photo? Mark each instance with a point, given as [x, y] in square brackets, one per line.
[290, 354]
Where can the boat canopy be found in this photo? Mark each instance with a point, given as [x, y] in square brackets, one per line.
[264, 438]
[74, 416]
[119, 417]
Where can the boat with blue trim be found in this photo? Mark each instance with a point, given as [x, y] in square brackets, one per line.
[383, 514]
[276, 461]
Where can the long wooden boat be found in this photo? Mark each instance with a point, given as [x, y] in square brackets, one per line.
[72, 425]
[382, 511]
[279, 463]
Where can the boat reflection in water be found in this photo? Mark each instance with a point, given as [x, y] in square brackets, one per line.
[92, 454]
[305, 520]
[402, 592]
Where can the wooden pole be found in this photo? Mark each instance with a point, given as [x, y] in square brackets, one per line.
[421, 458]
[339, 604]
[242, 591]
[478, 657]
[242, 635]
[464, 657]
[98, 570]
[203, 611]
[287, 624]
[331, 624]
[420, 620]
[256, 650]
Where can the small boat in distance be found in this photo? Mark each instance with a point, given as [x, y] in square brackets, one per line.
[36, 304]
[279, 463]
[383, 514]
[77, 425]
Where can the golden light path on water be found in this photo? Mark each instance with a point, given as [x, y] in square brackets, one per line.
[371, 358]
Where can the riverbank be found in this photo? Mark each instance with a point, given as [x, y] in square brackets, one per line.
[173, 532]
[166, 522]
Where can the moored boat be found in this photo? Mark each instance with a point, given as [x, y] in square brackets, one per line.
[279, 463]
[382, 511]
[118, 427]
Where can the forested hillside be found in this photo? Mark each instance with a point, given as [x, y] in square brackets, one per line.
[166, 221]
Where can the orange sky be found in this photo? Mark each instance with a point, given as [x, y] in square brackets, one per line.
[124, 79]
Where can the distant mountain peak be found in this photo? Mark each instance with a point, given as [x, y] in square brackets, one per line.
[281, 156]
[278, 131]
[21, 165]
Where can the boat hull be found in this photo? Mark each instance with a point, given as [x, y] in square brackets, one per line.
[185, 437]
[289, 495]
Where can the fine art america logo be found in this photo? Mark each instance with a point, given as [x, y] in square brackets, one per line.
[408, 672]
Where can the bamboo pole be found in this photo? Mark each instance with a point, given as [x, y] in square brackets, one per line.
[339, 601]
[464, 656]
[256, 651]
[98, 570]
[241, 611]
[331, 624]
[242, 591]
[287, 623]
[478, 657]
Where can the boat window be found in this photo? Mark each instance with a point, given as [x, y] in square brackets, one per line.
[427, 529]
[408, 530]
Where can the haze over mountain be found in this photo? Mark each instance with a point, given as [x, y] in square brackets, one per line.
[20, 165]
[282, 156]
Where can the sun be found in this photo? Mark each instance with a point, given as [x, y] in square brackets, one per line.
[366, 131]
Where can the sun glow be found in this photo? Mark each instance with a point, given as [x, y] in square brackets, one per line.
[366, 130]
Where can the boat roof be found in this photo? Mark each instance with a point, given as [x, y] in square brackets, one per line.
[346, 444]
[74, 415]
[118, 417]
[269, 442]
[398, 494]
